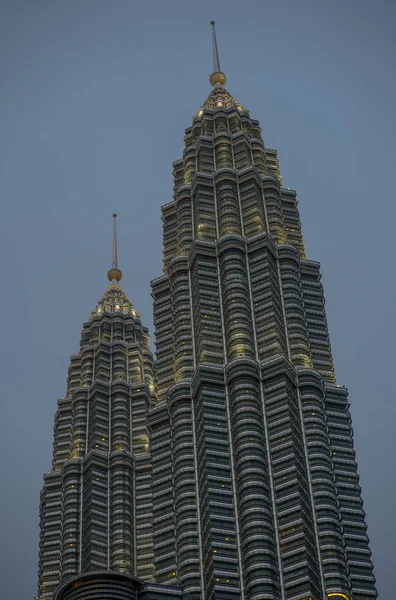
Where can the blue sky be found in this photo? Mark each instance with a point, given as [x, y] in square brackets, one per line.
[95, 99]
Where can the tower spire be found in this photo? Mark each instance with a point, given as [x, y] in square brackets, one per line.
[216, 60]
[114, 275]
[217, 78]
[114, 265]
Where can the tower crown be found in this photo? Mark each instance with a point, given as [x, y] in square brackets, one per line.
[219, 98]
[114, 299]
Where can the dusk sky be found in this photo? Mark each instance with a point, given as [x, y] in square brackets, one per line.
[95, 97]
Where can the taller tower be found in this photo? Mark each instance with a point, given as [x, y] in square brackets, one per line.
[255, 484]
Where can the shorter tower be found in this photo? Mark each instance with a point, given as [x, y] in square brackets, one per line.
[96, 503]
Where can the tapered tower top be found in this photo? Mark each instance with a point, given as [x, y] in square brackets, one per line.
[114, 299]
[114, 275]
[217, 78]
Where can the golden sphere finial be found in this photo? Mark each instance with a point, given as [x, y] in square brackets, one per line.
[114, 274]
[218, 77]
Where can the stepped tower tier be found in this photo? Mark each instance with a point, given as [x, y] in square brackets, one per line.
[254, 474]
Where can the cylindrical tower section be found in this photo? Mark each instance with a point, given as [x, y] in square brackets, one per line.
[328, 516]
[119, 361]
[273, 208]
[148, 370]
[162, 485]
[79, 423]
[294, 306]
[205, 304]
[252, 205]
[242, 153]
[315, 313]
[228, 213]
[349, 493]
[205, 152]
[235, 298]
[251, 474]
[292, 221]
[178, 174]
[258, 155]
[185, 492]
[62, 432]
[189, 162]
[163, 322]
[87, 366]
[204, 209]
[95, 512]
[50, 535]
[223, 151]
[170, 235]
[179, 281]
[98, 421]
[71, 519]
[74, 373]
[120, 418]
[266, 298]
[122, 543]
[220, 118]
[184, 219]
[118, 334]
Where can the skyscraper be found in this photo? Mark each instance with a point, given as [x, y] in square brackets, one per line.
[226, 469]
[255, 484]
[96, 503]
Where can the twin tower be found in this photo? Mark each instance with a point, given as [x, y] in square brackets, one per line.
[225, 469]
